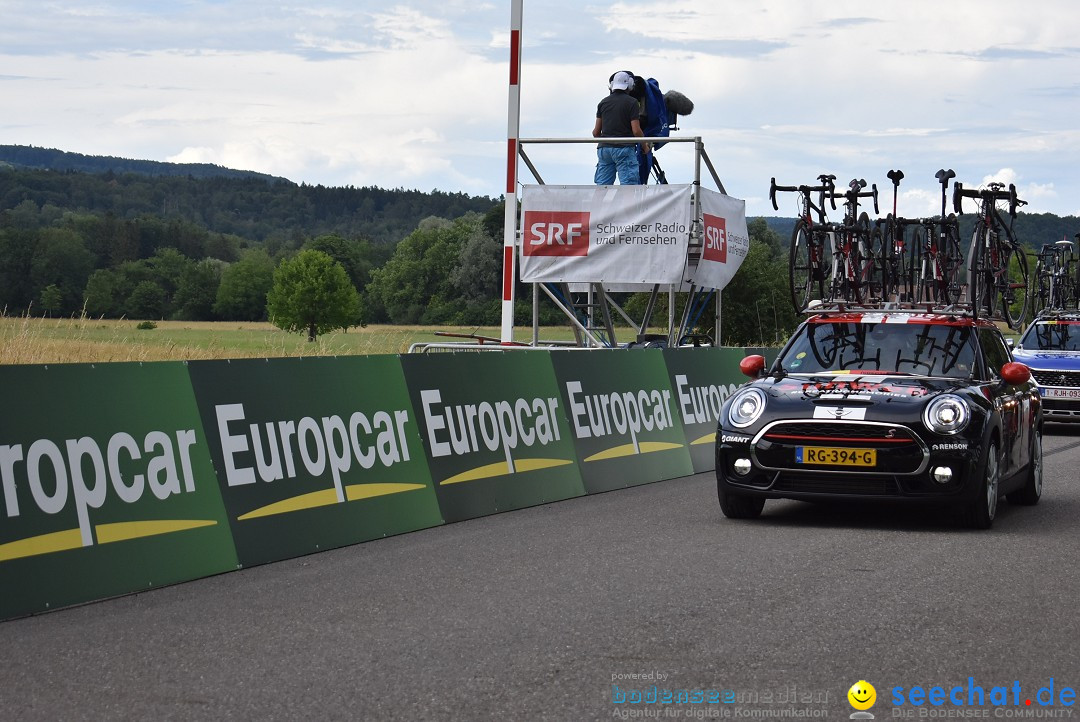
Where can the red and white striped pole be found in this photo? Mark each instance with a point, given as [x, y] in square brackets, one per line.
[510, 218]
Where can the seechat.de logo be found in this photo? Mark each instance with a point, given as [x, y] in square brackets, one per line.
[556, 233]
[715, 239]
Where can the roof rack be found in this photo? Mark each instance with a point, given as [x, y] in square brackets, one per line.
[1071, 313]
[894, 307]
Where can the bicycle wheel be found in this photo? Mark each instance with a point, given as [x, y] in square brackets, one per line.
[914, 274]
[926, 272]
[800, 267]
[980, 281]
[952, 261]
[1015, 291]
[901, 269]
[1040, 285]
[879, 271]
[861, 260]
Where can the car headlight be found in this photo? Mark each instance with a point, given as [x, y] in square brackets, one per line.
[947, 414]
[746, 407]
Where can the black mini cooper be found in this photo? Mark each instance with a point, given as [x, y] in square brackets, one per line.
[897, 406]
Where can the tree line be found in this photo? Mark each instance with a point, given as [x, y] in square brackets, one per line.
[64, 250]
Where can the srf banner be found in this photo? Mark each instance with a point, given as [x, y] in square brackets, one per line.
[725, 238]
[107, 485]
[617, 234]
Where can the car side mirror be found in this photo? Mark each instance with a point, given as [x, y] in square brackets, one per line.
[1011, 343]
[1014, 373]
[752, 366]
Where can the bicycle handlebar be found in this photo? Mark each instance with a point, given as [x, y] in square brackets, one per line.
[993, 192]
[804, 189]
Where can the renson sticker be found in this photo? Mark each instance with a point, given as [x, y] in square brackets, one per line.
[506, 426]
[82, 475]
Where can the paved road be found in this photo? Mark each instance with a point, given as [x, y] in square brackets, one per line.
[536, 614]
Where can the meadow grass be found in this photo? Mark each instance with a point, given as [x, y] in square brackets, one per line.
[80, 339]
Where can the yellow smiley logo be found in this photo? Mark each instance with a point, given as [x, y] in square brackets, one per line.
[862, 695]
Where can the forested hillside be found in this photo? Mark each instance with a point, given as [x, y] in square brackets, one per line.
[28, 156]
[259, 209]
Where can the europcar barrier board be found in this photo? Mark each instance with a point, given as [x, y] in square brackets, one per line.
[494, 430]
[623, 417]
[107, 485]
[701, 380]
[314, 453]
[116, 478]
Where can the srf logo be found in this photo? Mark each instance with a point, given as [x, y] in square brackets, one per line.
[715, 239]
[556, 233]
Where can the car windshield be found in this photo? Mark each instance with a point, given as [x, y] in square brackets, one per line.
[921, 349]
[1053, 336]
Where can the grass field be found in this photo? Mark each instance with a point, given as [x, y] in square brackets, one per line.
[26, 340]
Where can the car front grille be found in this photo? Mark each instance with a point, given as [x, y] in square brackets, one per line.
[1057, 378]
[854, 485]
[816, 432]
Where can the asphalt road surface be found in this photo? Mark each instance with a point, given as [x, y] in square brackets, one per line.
[557, 612]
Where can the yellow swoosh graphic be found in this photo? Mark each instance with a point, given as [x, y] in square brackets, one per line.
[707, 439]
[499, 469]
[537, 464]
[59, 541]
[355, 492]
[326, 497]
[62, 541]
[125, 530]
[647, 447]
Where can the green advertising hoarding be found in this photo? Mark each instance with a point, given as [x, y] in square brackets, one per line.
[494, 430]
[622, 416]
[107, 485]
[313, 453]
[702, 379]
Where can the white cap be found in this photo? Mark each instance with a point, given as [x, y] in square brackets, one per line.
[622, 81]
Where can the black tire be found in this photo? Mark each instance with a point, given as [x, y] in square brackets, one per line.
[862, 261]
[1016, 294]
[927, 288]
[738, 506]
[980, 512]
[900, 271]
[915, 266]
[800, 272]
[1030, 493]
[1040, 285]
[952, 262]
[879, 271]
[980, 286]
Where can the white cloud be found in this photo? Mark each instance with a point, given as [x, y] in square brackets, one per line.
[415, 94]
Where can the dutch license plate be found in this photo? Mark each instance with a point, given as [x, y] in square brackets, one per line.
[1061, 393]
[832, 456]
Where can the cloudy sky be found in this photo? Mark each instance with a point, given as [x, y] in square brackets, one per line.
[414, 94]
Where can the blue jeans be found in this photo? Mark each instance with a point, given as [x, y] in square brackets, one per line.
[612, 158]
